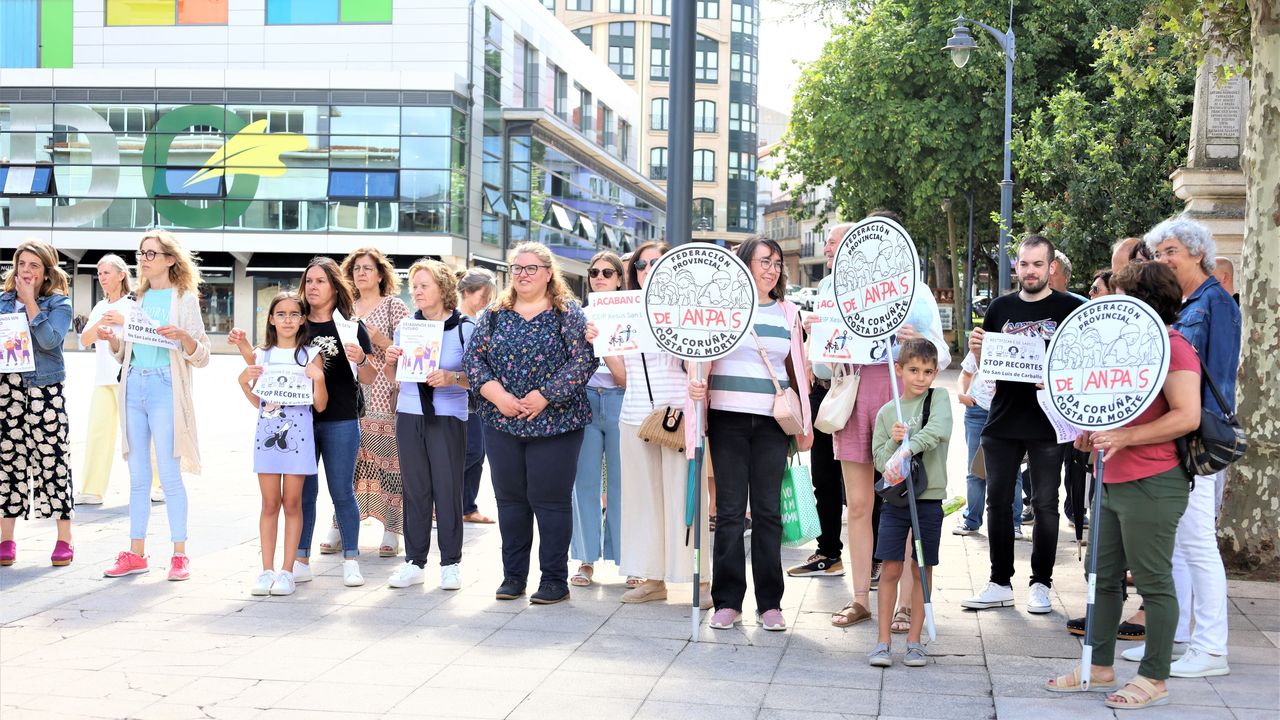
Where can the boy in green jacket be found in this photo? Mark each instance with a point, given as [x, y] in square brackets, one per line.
[917, 367]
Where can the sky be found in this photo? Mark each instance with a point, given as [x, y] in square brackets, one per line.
[785, 39]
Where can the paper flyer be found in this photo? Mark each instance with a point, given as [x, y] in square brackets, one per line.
[619, 318]
[15, 344]
[1065, 431]
[420, 340]
[140, 329]
[284, 384]
[1013, 358]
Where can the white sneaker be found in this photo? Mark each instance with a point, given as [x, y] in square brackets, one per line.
[262, 586]
[157, 495]
[1019, 535]
[284, 584]
[301, 572]
[1038, 601]
[992, 596]
[1197, 663]
[405, 575]
[1135, 653]
[351, 576]
[451, 577]
[88, 499]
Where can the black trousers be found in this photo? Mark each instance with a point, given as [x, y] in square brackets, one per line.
[432, 454]
[1044, 471]
[533, 480]
[749, 453]
[475, 464]
[828, 483]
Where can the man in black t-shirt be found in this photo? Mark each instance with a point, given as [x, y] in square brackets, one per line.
[1016, 427]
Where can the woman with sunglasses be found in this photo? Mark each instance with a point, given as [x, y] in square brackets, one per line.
[599, 455]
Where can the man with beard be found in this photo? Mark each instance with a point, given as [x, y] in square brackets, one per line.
[1017, 427]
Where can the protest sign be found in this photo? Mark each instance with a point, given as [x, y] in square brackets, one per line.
[140, 329]
[1013, 358]
[831, 340]
[699, 302]
[1065, 431]
[420, 340]
[1106, 362]
[619, 318]
[284, 383]
[15, 344]
[875, 271]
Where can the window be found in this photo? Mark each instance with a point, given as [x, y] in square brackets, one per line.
[363, 185]
[704, 116]
[622, 49]
[659, 52]
[583, 34]
[36, 34]
[706, 60]
[166, 12]
[659, 114]
[604, 133]
[743, 18]
[622, 6]
[660, 7]
[532, 73]
[658, 163]
[27, 180]
[704, 166]
[549, 4]
[742, 216]
[624, 140]
[708, 9]
[579, 5]
[585, 111]
[188, 182]
[492, 28]
[742, 166]
[742, 68]
[324, 12]
[742, 117]
[704, 215]
[562, 93]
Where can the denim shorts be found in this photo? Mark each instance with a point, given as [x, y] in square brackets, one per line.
[895, 525]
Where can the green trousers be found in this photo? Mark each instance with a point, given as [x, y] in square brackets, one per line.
[1135, 530]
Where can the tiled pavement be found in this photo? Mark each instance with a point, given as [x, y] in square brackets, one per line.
[74, 644]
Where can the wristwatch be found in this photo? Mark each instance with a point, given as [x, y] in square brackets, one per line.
[457, 378]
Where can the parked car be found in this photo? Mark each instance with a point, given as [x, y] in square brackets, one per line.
[803, 297]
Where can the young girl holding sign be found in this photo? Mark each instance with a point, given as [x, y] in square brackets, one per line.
[284, 446]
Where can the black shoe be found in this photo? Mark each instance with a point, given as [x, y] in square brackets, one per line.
[510, 589]
[1027, 517]
[875, 574]
[550, 593]
[1126, 631]
[817, 565]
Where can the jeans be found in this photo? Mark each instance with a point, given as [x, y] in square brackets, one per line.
[533, 480]
[975, 418]
[599, 455]
[1044, 466]
[474, 464]
[336, 444]
[149, 419]
[828, 483]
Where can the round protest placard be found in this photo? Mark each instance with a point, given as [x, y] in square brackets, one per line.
[699, 301]
[1106, 362]
[875, 273]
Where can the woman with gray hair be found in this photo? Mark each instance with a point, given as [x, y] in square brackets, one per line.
[475, 291]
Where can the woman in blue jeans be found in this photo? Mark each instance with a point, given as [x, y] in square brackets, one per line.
[599, 459]
[346, 348]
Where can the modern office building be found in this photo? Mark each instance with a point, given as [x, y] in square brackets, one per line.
[634, 37]
[264, 132]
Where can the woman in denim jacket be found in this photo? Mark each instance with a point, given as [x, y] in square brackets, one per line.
[33, 411]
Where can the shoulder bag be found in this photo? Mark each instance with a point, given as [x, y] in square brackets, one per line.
[896, 494]
[837, 406]
[787, 409]
[663, 426]
[1218, 442]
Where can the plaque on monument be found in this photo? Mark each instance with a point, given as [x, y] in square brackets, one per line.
[1225, 109]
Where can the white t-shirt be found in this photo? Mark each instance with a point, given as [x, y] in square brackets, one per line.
[107, 369]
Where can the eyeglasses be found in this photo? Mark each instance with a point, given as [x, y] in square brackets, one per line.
[363, 269]
[640, 265]
[608, 273]
[527, 269]
[149, 255]
[765, 264]
[282, 316]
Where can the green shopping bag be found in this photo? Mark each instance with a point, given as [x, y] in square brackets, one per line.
[799, 508]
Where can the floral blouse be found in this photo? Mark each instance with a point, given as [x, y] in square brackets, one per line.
[549, 353]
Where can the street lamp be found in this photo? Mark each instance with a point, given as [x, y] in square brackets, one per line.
[960, 44]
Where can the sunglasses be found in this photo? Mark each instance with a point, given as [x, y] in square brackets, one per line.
[642, 264]
[608, 273]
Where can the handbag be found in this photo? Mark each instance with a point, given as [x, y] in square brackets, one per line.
[787, 409]
[896, 494]
[837, 406]
[1218, 442]
[800, 523]
[663, 426]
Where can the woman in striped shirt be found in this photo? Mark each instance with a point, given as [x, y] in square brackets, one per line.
[748, 447]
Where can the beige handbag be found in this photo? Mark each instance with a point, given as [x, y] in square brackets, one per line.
[787, 409]
[663, 426]
[837, 406]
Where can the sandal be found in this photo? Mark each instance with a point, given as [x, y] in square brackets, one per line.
[1071, 684]
[582, 578]
[333, 544]
[390, 545]
[1129, 700]
[711, 521]
[477, 518]
[850, 614]
[634, 581]
[901, 621]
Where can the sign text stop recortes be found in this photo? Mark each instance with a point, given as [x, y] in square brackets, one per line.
[1107, 362]
[699, 301]
[875, 277]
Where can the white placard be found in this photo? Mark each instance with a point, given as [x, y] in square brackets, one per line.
[619, 319]
[420, 341]
[700, 301]
[1013, 358]
[875, 277]
[1065, 431]
[947, 315]
[284, 383]
[831, 341]
[140, 329]
[16, 354]
[348, 330]
[1107, 362]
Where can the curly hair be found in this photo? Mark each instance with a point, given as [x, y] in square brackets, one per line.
[184, 273]
[388, 280]
[558, 291]
[445, 279]
[55, 279]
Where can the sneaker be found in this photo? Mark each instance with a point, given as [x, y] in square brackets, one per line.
[880, 656]
[157, 495]
[351, 576]
[550, 593]
[127, 563]
[1028, 517]
[992, 596]
[1135, 653]
[962, 528]
[916, 655]
[817, 565]
[407, 574]
[451, 577]
[179, 568]
[746, 530]
[772, 620]
[1019, 535]
[262, 586]
[875, 574]
[1197, 664]
[1038, 601]
[301, 572]
[284, 584]
[725, 619]
[88, 499]
[510, 589]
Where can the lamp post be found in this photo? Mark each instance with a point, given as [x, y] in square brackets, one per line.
[960, 44]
